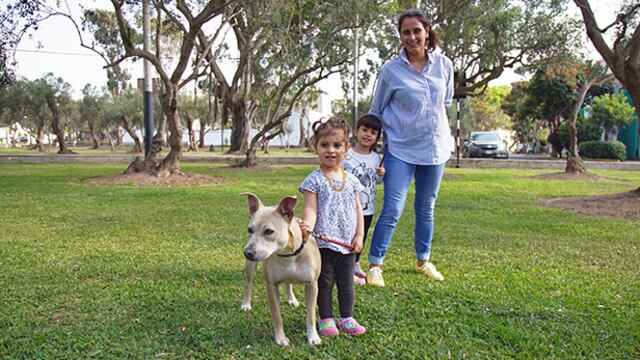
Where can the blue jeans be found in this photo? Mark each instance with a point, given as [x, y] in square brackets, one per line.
[397, 179]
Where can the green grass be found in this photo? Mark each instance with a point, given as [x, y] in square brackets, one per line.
[127, 272]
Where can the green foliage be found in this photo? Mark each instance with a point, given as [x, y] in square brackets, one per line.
[611, 110]
[23, 102]
[121, 271]
[516, 106]
[588, 130]
[17, 17]
[485, 37]
[486, 110]
[604, 150]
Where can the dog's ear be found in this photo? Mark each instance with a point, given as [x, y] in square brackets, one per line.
[254, 202]
[286, 206]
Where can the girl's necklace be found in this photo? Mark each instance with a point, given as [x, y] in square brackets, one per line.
[344, 182]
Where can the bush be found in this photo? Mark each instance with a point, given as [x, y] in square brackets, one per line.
[588, 130]
[604, 150]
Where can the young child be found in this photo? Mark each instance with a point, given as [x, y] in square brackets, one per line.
[364, 163]
[333, 212]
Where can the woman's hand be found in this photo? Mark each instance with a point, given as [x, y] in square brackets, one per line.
[380, 171]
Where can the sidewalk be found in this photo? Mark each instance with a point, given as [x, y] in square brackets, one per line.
[515, 163]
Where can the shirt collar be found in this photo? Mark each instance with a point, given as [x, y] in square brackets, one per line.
[403, 56]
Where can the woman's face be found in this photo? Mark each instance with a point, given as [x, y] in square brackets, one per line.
[413, 36]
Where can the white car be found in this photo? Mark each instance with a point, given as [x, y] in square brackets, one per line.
[485, 144]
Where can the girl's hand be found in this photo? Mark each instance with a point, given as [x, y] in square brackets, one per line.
[304, 227]
[380, 171]
[357, 244]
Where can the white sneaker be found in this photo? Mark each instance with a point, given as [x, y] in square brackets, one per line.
[374, 276]
[430, 270]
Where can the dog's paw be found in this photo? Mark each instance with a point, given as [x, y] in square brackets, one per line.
[314, 339]
[245, 307]
[293, 302]
[283, 341]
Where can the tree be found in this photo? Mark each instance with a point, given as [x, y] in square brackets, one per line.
[57, 94]
[550, 96]
[486, 109]
[128, 107]
[593, 74]
[525, 123]
[189, 25]
[284, 48]
[23, 101]
[193, 108]
[91, 110]
[611, 111]
[15, 20]
[623, 56]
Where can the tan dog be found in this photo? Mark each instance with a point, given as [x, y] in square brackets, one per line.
[274, 238]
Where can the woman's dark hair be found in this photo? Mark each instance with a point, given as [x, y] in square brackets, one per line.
[372, 122]
[434, 39]
[322, 128]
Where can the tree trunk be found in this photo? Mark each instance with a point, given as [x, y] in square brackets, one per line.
[57, 129]
[301, 123]
[574, 161]
[149, 164]
[192, 134]
[119, 136]
[203, 132]
[94, 136]
[241, 128]
[111, 144]
[39, 145]
[170, 165]
[137, 147]
[251, 159]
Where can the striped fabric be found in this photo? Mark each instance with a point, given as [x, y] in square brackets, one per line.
[412, 106]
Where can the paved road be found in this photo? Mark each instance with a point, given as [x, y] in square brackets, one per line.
[515, 161]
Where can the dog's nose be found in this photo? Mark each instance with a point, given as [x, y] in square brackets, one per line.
[249, 255]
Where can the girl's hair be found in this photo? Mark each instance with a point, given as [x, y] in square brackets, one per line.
[322, 128]
[433, 39]
[372, 122]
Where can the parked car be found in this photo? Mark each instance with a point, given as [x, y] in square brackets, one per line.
[485, 144]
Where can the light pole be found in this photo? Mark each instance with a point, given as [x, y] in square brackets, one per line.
[458, 97]
[356, 58]
[148, 88]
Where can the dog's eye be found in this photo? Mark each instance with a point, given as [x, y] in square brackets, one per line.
[250, 230]
[268, 231]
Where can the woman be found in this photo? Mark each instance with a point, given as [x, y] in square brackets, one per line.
[411, 97]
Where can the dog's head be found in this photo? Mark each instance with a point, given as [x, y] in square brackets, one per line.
[269, 228]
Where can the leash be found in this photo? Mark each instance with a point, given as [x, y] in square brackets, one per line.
[324, 238]
[317, 236]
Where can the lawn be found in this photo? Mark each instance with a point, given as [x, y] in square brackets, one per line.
[92, 271]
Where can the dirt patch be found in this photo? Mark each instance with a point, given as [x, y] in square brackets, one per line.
[185, 179]
[619, 206]
[568, 176]
[257, 168]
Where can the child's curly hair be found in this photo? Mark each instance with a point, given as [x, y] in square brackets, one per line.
[322, 128]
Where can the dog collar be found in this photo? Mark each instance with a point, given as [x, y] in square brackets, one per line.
[299, 249]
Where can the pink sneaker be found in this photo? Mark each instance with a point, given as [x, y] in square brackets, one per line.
[359, 281]
[351, 326]
[357, 271]
[328, 327]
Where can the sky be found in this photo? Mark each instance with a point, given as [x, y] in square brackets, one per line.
[55, 48]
